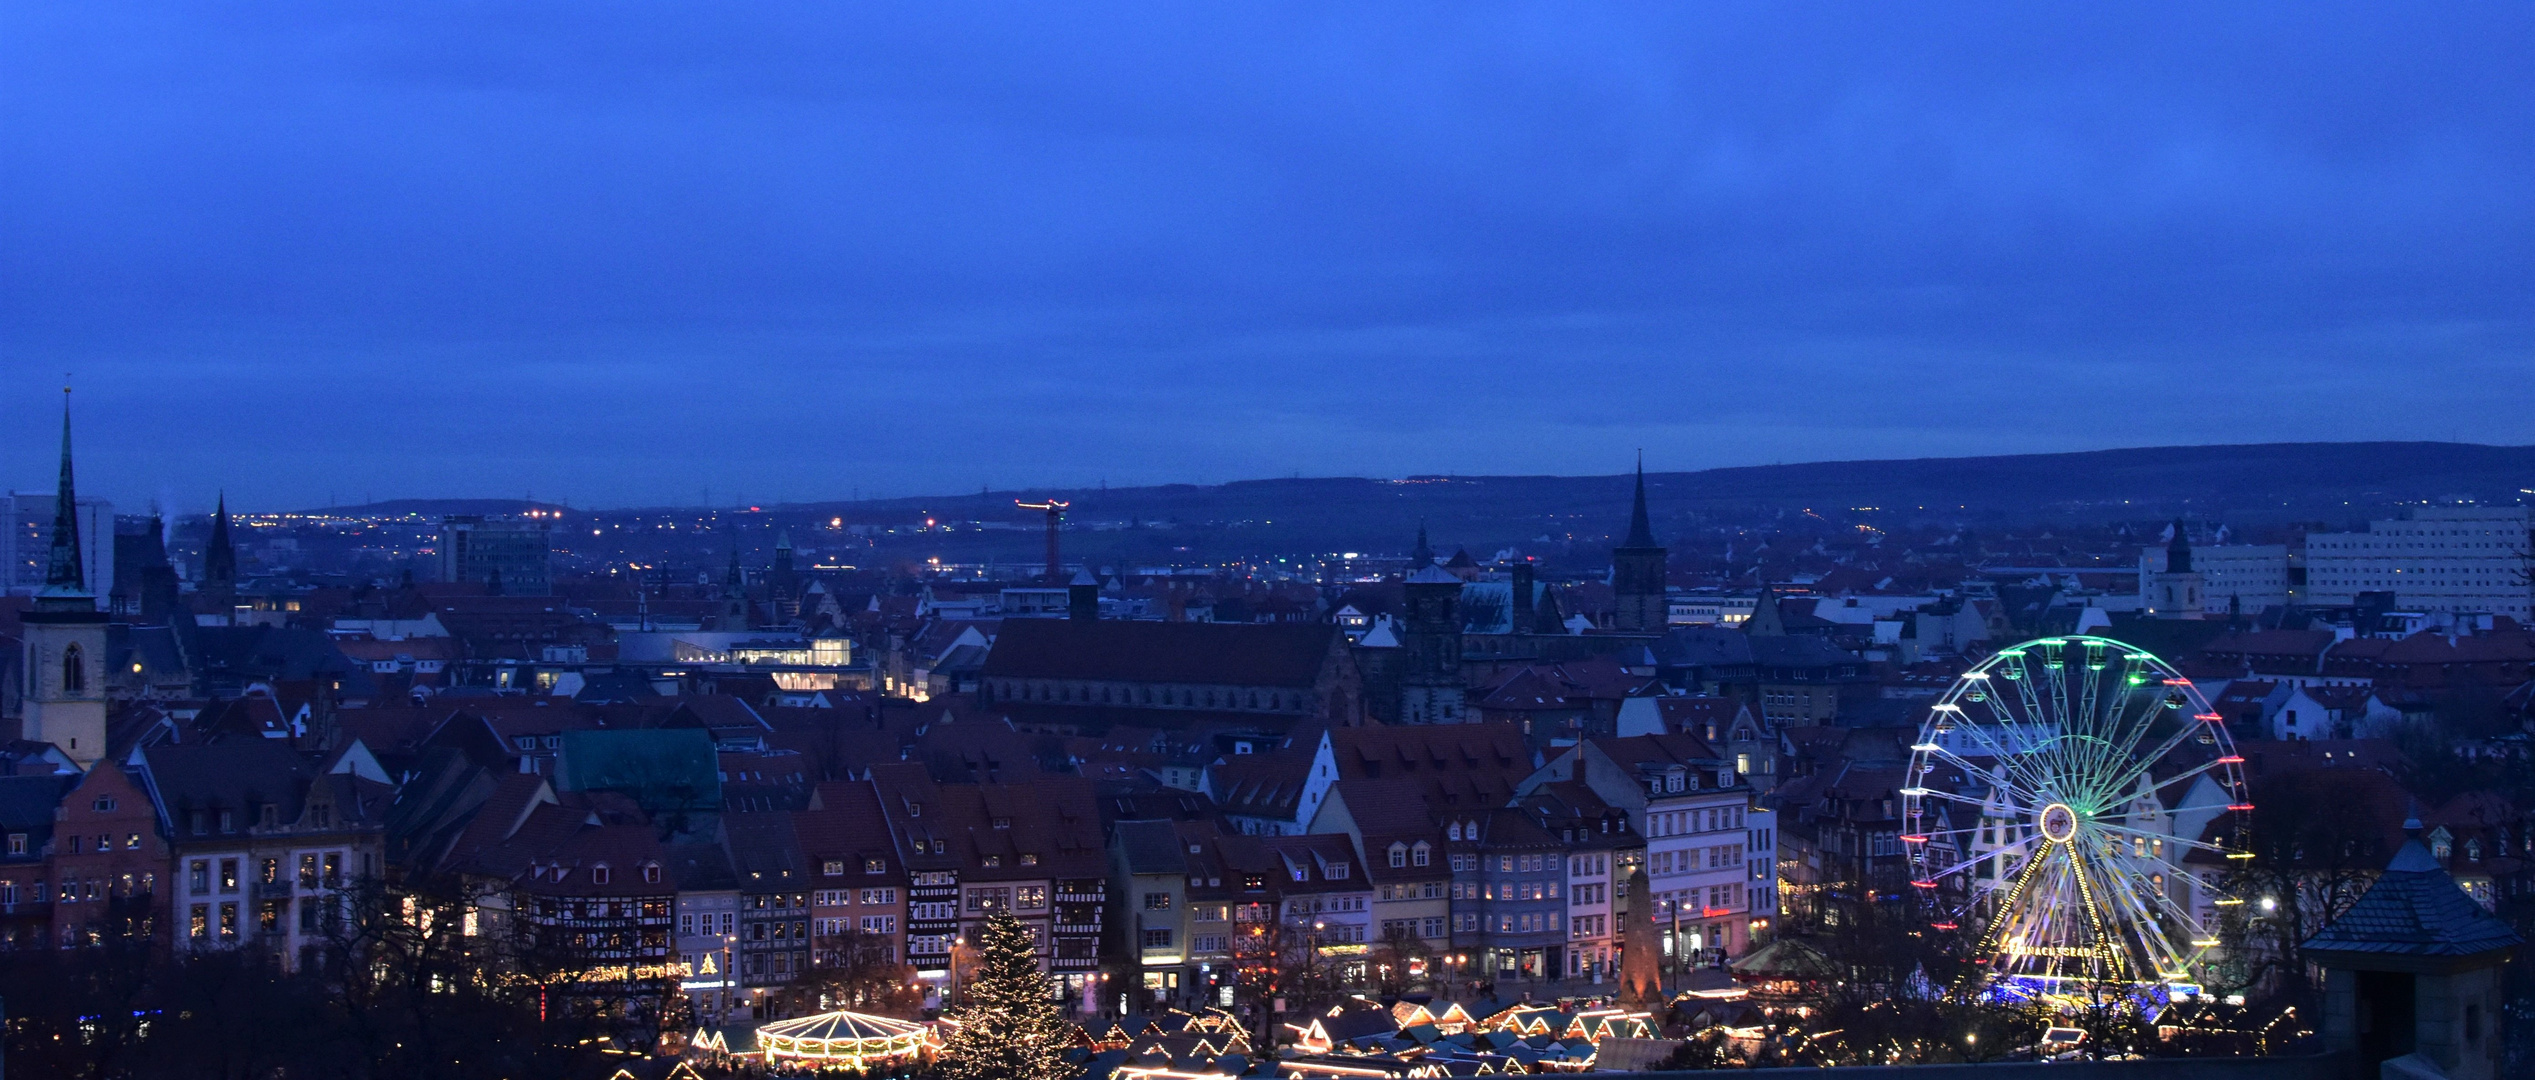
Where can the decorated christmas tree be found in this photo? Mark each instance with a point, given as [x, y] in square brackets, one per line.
[1010, 1028]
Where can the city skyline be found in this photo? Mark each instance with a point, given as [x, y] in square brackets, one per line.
[791, 253]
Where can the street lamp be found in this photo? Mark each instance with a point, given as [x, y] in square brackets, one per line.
[730, 974]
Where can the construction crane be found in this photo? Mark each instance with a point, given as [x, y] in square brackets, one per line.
[1055, 514]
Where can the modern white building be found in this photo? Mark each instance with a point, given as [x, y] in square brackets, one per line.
[2257, 575]
[28, 540]
[2460, 560]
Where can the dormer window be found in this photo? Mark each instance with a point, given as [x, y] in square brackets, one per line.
[228, 821]
[1399, 854]
[1337, 871]
[1299, 873]
[1454, 831]
[876, 866]
[272, 816]
[1003, 823]
[651, 873]
[599, 874]
[1029, 858]
[1419, 855]
[992, 861]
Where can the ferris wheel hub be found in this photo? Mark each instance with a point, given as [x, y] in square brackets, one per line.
[2059, 823]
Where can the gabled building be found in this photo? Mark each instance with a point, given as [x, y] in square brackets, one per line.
[1149, 883]
[29, 805]
[1710, 848]
[264, 841]
[1032, 848]
[108, 855]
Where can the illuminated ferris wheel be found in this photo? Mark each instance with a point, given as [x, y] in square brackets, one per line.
[2063, 809]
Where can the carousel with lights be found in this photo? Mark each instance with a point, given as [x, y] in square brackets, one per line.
[2066, 802]
[843, 1039]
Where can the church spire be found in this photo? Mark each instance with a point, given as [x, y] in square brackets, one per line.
[219, 558]
[1421, 556]
[1641, 532]
[63, 575]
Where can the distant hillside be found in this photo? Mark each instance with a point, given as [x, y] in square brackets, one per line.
[2271, 482]
[2337, 483]
[435, 507]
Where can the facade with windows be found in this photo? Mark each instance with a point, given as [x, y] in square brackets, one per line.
[108, 855]
[858, 887]
[1032, 848]
[1149, 875]
[2456, 560]
[265, 850]
[27, 806]
[509, 556]
[774, 908]
[1508, 894]
[1412, 894]
[1709, 849]
[707, 934]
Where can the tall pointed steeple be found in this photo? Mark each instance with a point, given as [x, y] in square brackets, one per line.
[219, 556]
[1637, 570]
[63, 641]
[1641, 532]
[64, 575]
[1421, 556]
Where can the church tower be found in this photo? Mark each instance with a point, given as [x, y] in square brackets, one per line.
[735, 616]
[1637, 572]
[2176, 592]
[65, 647]
[1431, 681]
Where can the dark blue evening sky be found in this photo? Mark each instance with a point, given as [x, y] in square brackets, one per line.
[620, 253]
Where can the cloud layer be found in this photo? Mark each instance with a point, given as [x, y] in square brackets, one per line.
[623, 253]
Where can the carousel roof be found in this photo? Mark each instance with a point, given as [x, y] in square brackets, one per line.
[840, 1025]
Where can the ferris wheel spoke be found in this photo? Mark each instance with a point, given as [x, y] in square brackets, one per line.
[2142, 765]
[2157, 908]
[2089, 685]
[1992, 855]
[2171, 838]
[2124, 736]
[1967, 728]
[2152, 790]
[2025, 763]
